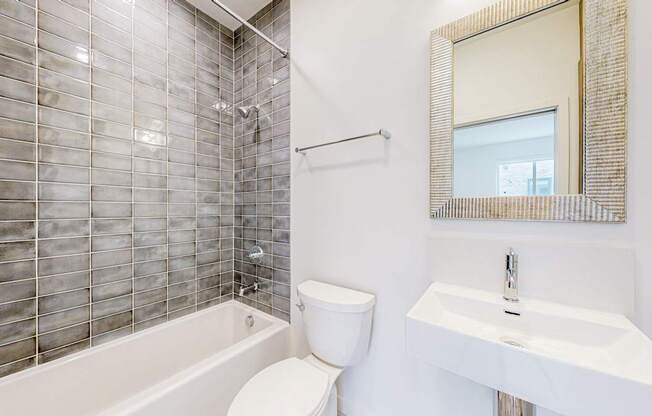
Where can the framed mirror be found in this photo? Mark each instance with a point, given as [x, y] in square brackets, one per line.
[528, 112]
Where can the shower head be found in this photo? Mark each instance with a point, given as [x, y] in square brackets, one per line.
[247, 110]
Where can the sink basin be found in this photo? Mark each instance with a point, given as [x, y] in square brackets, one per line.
[572, 361]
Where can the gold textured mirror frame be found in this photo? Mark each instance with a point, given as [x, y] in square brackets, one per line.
[604, 24]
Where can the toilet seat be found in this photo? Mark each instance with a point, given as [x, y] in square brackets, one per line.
[290, 387]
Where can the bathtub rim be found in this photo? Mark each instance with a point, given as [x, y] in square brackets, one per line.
[156, 391]
[277, 325]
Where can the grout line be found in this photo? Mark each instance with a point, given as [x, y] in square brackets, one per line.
[232, 163]
[256, 141]
[36, 182]
[196, 181]
[90, 174]
[133, 205]
[167, 157]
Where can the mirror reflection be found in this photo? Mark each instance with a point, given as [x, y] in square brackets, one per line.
[517, 110]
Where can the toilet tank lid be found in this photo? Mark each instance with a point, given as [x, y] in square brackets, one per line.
[334, 298]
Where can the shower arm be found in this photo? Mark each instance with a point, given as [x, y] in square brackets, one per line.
[284, 52]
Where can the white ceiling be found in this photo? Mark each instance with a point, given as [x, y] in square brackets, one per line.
[532, 126]
[244, 8]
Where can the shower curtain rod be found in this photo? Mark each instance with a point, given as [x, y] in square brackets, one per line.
[284, 52]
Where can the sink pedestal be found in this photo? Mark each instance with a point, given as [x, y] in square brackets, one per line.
[507, 405]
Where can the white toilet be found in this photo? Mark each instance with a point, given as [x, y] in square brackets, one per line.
[337, 322]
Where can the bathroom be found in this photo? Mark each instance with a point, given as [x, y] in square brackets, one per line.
[150, 193]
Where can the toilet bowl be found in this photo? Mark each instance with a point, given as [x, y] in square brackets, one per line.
[337, 322]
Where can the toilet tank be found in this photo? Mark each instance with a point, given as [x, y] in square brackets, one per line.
[337, 322]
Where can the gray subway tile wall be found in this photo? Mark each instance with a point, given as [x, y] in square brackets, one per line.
[117, 157]
[262, 160]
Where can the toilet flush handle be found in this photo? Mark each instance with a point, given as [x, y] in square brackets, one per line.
[301, 306]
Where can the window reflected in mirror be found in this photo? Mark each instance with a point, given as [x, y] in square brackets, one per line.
[507, 157]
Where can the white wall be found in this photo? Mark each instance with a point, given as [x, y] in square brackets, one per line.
[519, 66]
[360, 210]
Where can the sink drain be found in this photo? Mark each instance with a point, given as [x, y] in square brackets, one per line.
[512, 342]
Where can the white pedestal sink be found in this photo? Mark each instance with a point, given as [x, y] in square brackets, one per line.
[573, 361]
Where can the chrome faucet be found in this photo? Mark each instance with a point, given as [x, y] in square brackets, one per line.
[251, 288]
[511, 276]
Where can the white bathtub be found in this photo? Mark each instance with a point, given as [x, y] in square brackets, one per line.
[192, 366]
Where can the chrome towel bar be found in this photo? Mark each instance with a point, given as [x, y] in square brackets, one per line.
[382, 132]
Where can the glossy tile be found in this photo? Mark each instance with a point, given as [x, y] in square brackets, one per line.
[59, 265]
[17, 350]
[101, 11]
[18, 290]
[65, 174]
[17, 190]
[16, 30]
[63, 65]
[67, 120]
[13, 231]
[18, 11]
[51, 322]
[111, 274]
[49, 98]
[63, 337]
[63, 246]
[63, 29]
[63, 210]
[113, 82]
[59, 137]
[17, 50]
[111, 65]
[17, 331]
[113, 258]
[112, 290]
[17, 170]
[111, 323]
[16, 90]
[125, 8]
[111, 226]
[66, 12]
[15, 150]
[63, 156]
[62, 352]
[17, 311]
[101, 309]
[63, 283]
[60, 192]
[134, 166]
[17, 110]
[63, 228]
[61, 301]
[17, 130]
[63, 47]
